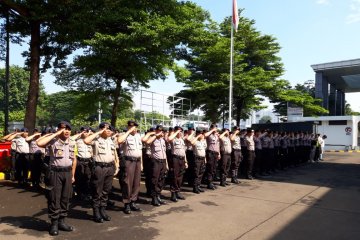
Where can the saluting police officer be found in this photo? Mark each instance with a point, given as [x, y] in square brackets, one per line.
[60, 175]
[212, 154]
[250, 154]
[159, 164]
[236, 154]
[178, 163]
[130, 181]
[199, 148]
[84, 162]
[104, 169]
[22, 156]
[225, 146]
[36, 154]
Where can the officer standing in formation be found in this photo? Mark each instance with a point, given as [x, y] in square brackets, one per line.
[84, 164]
[212, 155]
[104, 169]
[60, 175]
[36, 154]
[250, 154]
[130, 182]
[199, 148]
[178, 163]
[159, 164]
[225, 147]
[236, 154]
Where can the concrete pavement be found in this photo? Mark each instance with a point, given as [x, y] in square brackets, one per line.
[315, 201]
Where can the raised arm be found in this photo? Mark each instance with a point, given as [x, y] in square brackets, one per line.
[233, 136]
[30, 138]
[194, 139]
[13, 136]
[88, 140]
[121, 139]
[42, 142]
[173, 135]
[7, 136]
[208, 133]
[147, 136]
[223, 134]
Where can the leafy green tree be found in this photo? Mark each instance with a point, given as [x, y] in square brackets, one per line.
[265, 119]
[349, 111]
[135, 42]
[52, 28]
[256, 71]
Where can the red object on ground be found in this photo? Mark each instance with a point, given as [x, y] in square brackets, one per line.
[5, 159]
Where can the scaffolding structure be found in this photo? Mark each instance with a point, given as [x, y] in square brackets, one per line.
[151, 104]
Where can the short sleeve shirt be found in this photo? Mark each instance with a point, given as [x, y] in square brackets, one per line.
[178, 147]
[83, 150]
[158, 148]
[22, 146]
[199, 148]
[133, 146]
[104, 150]
[61, 152]
[213, 143]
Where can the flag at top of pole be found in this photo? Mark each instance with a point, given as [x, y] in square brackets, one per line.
[235, 16]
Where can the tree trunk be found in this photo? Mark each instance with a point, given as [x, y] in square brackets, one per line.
[31, 104]
[116, 102]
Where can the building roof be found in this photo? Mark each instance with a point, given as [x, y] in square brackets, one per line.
[344, 75]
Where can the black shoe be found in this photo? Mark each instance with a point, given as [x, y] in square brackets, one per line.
[97, 216]
[211, 186]
[110, 203]
[135, 208]
[155, 201]
[234, 180]
[54, 228]
[127, 208]
[104, 215]
[173, 197]
[249, 177]
[227, 183]
[196, 190]
[200, 189]
[160, 200]
[64, 227]
[179, 196]
[222, 184]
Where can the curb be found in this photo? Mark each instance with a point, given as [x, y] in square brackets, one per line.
[343, 151]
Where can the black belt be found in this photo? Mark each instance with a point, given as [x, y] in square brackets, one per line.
[60, 169]
[200, 158]
[132, 159]
[225, 153]
[237, 150]
[83, 159]
[102, 164]
[213, 152]
[159, 160]
[178, 157]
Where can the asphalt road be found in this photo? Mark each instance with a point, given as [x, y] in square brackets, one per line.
[314, 201]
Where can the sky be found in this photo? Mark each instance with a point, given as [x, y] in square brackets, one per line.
[308, 31]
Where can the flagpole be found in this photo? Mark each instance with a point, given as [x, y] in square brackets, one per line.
[231, 75]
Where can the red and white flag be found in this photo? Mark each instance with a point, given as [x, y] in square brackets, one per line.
[235, 16]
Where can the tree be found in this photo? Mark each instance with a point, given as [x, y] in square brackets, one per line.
[135, 42]
[53, 29]
[256, 71]
[349, 111]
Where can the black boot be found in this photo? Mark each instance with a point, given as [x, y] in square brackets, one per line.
[54, 228]
[234, 180]
[211, 186]
[135, 208]
[196, 190]
[127, 209]
[200, 189]
[160, 200]
[104, 215]
[179, 196]
[155, 201]
[64, 227]
[97, 216]
[173, 197]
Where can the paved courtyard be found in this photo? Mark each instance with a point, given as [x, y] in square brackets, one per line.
[314, 201]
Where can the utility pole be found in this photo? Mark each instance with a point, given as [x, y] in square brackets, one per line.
[100, 112]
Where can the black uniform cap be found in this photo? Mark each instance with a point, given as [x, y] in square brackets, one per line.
[67, 124]
[24, 130]
[159, 127]
[177, 128]
[132, 123]
[103, 125]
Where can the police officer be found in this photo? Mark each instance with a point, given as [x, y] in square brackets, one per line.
[147, 162]
[213, 154]
[159, 164]
[190, 157]
[60, 175]
[104, 169]
[236, 155]
[22, 155]
[225, 146]
[199, 148]
[178, 163]
[12, 152]
[36, 154]
[130, 181]
[250, 155]
[84, 164]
